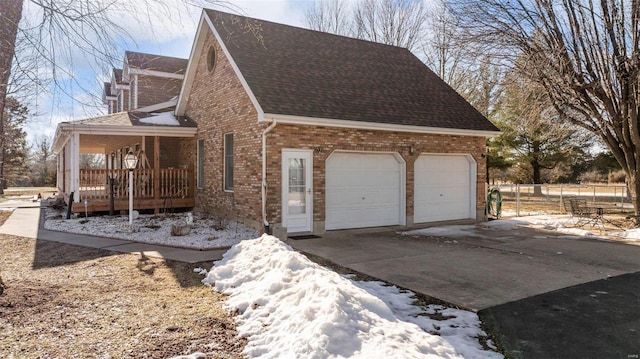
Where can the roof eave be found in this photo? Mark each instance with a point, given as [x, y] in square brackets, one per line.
[156, 73]
[115, 130]
[59, 140]
[362, 125]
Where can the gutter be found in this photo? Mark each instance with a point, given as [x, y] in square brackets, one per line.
[265, 222]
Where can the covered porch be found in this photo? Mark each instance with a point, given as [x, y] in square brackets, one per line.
[92, 172]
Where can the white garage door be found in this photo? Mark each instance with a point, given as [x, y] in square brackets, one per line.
[363, 190]
[444, 188]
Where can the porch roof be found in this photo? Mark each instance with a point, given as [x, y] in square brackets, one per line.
[128, 124]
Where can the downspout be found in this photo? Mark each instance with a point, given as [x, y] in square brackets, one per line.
[265, 222]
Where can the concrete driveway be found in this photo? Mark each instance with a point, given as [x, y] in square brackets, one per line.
[539, 294]
[492, 267]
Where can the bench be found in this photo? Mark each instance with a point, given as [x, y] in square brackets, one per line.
[585, 214]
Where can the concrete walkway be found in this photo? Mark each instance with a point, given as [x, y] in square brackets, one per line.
[26, 222]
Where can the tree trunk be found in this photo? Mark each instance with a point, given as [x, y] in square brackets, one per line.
[10, 14]
[537, 190]
[634, 189]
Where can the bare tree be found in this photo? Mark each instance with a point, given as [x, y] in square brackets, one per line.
[92, 160]
[392, 22]
[585, 54]
[444, 49]
[331, 16]
[43, 163]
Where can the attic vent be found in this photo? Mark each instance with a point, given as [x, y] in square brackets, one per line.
[211, 58]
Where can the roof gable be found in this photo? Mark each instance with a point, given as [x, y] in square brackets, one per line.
[299, 72]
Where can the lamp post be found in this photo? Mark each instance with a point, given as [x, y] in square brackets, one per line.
[130, 162]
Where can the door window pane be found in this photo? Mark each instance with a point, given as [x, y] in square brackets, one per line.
[297, 186]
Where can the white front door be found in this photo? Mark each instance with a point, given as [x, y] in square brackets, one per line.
[297, 193]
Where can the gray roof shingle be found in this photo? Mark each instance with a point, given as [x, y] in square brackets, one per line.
[126, 119]
[295, 71]
[168, 64]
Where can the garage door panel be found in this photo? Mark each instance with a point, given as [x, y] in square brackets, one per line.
[363, 190]
[345, 218]
[363, 179]
[347, 198]
[443, 182]
[443, 212]
[443, 188]
[433, 199]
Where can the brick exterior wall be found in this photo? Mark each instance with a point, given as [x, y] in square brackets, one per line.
[218, 110]
[226, 108]
[330, 139]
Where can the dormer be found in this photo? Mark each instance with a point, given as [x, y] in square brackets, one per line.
[120, 89]
[109, 99]
[153, 79]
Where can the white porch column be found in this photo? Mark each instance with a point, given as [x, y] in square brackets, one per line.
[59, 160]
[74, 165]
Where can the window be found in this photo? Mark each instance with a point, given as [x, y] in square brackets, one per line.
[211, 58]
[200, 163]
[228, 162]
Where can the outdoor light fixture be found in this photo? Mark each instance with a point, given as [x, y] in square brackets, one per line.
[130, 162]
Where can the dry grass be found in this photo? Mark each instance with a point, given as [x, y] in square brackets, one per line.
[64, 301]
[29, 191]
[4, 215]
[615, 219]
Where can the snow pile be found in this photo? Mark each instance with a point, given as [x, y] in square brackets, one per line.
[288, 306]
[155, 229]
[445, 231]
[162, 118]
[562, 224]
[631, 235]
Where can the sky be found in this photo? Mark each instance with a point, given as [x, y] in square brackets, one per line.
[163, 35]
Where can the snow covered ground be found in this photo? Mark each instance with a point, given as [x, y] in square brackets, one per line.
[290, 307]
[155, 229]
[558, 223]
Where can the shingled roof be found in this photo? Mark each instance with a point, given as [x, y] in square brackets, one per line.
[126, 119]
[144, 61]
[300, 72]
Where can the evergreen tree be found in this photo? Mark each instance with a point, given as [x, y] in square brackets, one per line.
[14, 151]
[533, 135]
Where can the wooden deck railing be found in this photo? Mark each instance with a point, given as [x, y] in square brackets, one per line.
[174, 183]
